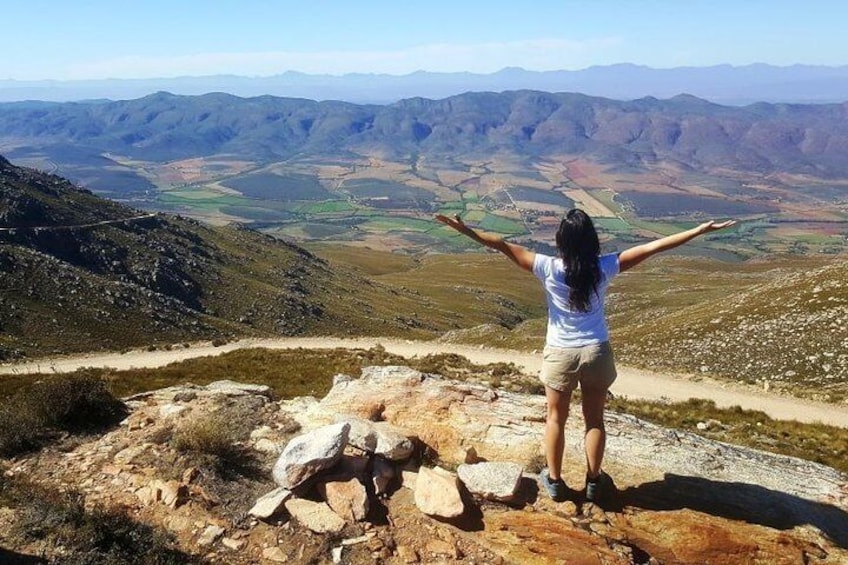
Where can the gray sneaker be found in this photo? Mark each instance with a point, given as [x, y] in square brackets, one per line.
[598, 487]
[557, 489]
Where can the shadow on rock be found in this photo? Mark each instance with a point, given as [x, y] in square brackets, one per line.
[739, 501]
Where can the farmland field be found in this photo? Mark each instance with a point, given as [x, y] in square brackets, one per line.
[509, 197]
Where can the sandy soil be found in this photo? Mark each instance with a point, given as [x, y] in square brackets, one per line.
[631, 383]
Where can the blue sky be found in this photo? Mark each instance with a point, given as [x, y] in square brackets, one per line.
[88, 39]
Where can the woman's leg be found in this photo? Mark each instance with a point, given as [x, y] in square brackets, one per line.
[594, 400]
[558, 402]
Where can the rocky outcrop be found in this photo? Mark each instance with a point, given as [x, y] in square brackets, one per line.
[679, 498]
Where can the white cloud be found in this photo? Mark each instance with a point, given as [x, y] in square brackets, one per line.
[535, 54]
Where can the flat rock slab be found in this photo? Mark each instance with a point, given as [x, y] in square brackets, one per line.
[491, 480]
[309, 454]
[270, 504]
[232, 388]
[316, 516]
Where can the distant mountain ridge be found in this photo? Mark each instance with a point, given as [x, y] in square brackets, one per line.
[686, 131]
[727, 84]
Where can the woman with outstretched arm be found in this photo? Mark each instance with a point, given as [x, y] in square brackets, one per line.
[577, 349]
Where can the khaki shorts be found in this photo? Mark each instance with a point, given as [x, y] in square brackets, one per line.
[593, 366]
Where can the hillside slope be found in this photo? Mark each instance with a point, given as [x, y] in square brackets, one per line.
[790, 331]
[80, 273]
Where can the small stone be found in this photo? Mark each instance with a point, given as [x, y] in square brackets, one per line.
[274, 554]
[234, 544]
[210, 535]
[337, 554]
[174, 494]
[357, 540]
[185, 396]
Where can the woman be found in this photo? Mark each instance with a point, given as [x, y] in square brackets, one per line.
[577, 346]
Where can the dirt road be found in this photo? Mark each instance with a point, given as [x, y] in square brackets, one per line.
[631, 383]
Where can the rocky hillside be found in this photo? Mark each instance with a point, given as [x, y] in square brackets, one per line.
[791, 331]
[81, 273]
[403, 467]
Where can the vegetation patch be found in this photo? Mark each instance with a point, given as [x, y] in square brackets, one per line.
[63, 526]
[500, 224]
[76, 403]
[288, 187]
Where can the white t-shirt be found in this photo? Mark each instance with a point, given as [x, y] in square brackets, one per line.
[567, 327]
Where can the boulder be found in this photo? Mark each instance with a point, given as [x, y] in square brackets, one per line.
[437, 493]
[491, 480]
[308, 454]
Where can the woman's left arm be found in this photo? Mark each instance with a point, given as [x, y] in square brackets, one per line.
[519, 255]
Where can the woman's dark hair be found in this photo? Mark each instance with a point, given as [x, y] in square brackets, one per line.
[579, 248]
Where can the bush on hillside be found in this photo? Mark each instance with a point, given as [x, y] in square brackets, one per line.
[208, 435]
[75, 403]
[60, 521]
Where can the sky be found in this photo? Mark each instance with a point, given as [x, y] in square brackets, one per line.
[98, 39]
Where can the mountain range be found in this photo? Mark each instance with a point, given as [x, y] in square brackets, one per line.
[725, 84]
[686, 131]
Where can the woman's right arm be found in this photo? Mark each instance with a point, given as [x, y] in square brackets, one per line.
[631, 257]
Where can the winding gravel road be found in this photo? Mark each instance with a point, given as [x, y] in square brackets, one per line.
[631, 383]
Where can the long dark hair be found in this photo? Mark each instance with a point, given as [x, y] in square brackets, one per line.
[579, 248]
